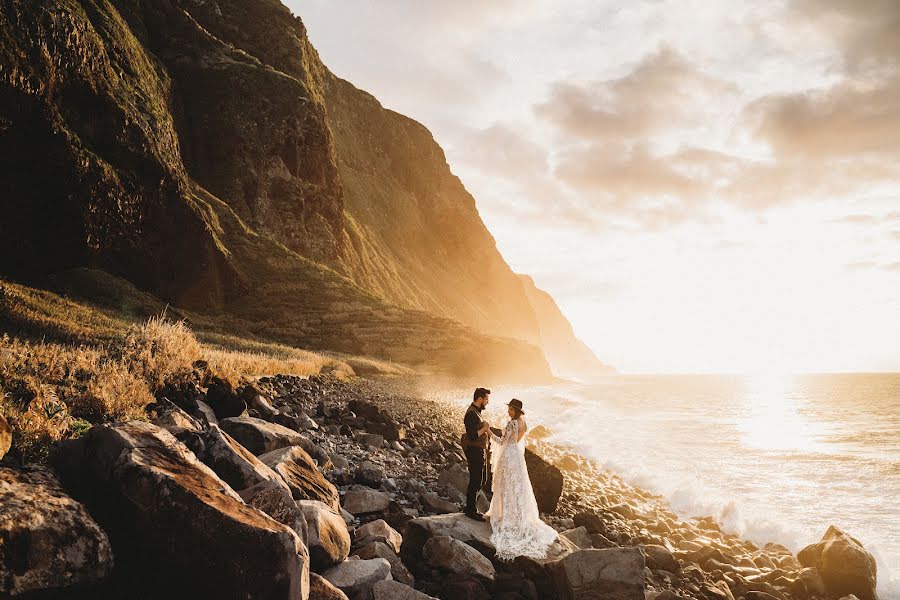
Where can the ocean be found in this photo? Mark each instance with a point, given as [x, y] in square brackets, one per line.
[773, 458]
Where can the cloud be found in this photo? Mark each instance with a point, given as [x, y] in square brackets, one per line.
[850, 119]
[859, 114]
[660, 93]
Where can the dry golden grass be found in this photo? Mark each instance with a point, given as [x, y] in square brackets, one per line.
[68, 364]
[159, 350]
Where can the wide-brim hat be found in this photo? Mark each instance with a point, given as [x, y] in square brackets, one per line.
[517, 404]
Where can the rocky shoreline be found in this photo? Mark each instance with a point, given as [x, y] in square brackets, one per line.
[322, 488]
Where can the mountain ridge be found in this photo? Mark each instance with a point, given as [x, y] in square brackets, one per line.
[164, 142]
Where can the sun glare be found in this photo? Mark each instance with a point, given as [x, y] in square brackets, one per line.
[773, 418]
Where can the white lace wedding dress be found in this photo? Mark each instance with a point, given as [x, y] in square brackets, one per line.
[517, 528]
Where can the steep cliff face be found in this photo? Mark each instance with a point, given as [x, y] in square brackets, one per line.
[91, 171]
[568, 356]
[335, 176]
[204, 152]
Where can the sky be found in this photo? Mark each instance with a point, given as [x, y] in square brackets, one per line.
[702, 186]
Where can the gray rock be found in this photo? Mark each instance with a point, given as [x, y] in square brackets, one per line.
[613, 573]
[357, 577]
[205, 413]
[379, 531]
[846, 567]
[168, 415]
[48, 541]
[329, 540]
[358, 502]
[370, 474]
[301, 475]
[372, 440]
[259, 436]
[379, 549]
[232, 462]
[475, 533]
[456, 476]
[579, 536]
[434, 503]
[449, 554]
[660, 557]
[394, 590]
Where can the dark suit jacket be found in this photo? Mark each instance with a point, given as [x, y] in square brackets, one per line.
[473, 421]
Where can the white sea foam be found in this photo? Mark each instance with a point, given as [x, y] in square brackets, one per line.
[771, 465]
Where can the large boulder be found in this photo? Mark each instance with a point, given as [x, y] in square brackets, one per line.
[276, 501]
[176, 528]
[364, 500]
[611, 574]
[260, 436]
[448, 554]
[474, 533]
[546, 481]
[356, 577]
[394, 590]
[845, 566]
[302, 476]
[5, 437]
[232, 462]
[48, 541]
[329, 540]
[169, 415]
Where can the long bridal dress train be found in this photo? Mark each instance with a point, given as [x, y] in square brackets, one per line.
[516, 523]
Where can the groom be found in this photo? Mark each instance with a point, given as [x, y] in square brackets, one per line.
[475, 446]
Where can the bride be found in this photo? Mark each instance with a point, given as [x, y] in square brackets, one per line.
[516, 524]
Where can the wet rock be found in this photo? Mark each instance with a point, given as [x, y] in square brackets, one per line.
[321, 589]
[395, 590]
[259, 436]
[546, 481]
[232, 462]
[301, 475]
[357, 577]
[612, 573]
[449, 554]
[379, 531]
[845, 566]
[167, 515]
[328, 538]
[362, 501]
[812, 581]
[48, 541]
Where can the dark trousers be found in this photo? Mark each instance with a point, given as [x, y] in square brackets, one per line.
[478, 474]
